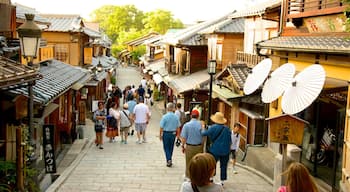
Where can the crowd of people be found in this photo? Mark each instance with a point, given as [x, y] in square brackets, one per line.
[133, 116]
[192, 135]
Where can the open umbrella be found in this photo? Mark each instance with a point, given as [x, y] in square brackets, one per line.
[278, 82]
[257, 76]
[305, 88]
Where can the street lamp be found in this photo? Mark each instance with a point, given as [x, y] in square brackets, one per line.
[99, 66]
[211, 72]
[29, 35]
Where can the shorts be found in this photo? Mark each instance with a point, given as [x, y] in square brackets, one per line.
[124, 129]
[140, 127]
[233, 153]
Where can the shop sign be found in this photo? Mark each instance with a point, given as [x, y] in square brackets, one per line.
[49, 152]
[287, 129]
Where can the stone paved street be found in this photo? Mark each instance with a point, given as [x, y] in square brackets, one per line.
[138, 167]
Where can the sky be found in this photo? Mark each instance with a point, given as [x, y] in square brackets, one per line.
[188, 11]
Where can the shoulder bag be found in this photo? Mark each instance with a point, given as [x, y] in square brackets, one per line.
[127, 117]
[211, 141]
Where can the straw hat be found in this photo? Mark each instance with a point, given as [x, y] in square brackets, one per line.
[218, 118]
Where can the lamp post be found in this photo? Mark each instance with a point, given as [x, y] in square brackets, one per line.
[29, 35]
[211, 72]
[99, 66]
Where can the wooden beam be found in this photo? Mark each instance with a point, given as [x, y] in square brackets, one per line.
[325, 11]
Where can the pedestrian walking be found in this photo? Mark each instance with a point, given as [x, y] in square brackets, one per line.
[220, 136]
[112, 122]
[99, 120]
[141, 116]
[191, 139]
[201, 169]
[125, 123]
[298, 179]
[143, 82]
[235, 139]
[180, 114]
[131, 105]
[169, 127]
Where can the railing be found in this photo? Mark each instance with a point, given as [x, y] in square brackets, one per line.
[249, 59]
[302, 6]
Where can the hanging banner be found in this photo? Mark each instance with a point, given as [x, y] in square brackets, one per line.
[48, 146]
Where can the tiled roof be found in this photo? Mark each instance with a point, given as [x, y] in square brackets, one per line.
[141, 40]
[239, 73]
[190, 36]
[91, 32]
[326, 44]
[21, 10]
[188, 82]
[226, 26]
[64, 23]
[57, 78]
[258, 9]
[12, 73]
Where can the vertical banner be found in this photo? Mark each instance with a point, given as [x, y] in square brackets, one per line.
[48, 146]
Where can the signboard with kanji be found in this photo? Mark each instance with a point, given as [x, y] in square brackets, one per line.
[48, 146]
[287, 129]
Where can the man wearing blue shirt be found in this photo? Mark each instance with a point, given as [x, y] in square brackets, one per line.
[191, 138]
[169, 126]
[220, 136]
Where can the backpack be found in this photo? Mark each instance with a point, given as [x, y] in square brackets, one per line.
[182, 118]
[112, 122]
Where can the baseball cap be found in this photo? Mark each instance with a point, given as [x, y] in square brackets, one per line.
[195, 112]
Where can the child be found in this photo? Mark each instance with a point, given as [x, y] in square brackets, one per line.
[201, 169]
[235, 138]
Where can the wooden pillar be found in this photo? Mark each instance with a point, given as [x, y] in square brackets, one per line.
[19, 160]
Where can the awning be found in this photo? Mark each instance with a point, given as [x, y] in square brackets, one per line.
[157, 65]
[224, 93]
[188, 82]
[157, 78]
[252, 114]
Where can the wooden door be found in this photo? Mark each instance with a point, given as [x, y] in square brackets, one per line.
[82, 112]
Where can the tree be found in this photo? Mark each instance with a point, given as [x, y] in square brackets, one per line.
[115, 19]
[347, 15]
[160, 21]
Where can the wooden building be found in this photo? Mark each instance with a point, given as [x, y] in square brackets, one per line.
[317, 36]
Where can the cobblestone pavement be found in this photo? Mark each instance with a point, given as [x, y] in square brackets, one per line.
[139, 167]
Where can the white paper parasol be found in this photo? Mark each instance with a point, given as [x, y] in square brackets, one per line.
[278, 82]
[258, 76]
[306, 87]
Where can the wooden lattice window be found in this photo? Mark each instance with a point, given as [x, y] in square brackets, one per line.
[61, 52]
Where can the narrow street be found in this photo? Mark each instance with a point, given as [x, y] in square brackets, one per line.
[139, 167]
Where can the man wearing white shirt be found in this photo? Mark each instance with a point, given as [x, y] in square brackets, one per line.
[141, 115]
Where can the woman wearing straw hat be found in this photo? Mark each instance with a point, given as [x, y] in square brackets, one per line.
[220, 136]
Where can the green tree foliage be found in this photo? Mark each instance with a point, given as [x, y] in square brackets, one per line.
[347, 13]
[115, 19]
[160, 21]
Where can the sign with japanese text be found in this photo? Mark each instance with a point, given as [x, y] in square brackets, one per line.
[287, 129]
[48, 146]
